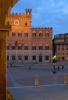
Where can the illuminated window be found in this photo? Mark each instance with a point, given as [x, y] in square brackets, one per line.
[19, 57]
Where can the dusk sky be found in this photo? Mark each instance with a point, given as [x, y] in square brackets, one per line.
[46, 13]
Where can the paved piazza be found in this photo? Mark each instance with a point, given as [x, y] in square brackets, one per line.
[21, 79]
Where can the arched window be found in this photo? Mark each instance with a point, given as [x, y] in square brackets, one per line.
[46, 47]
[47, 34]
[33, 57]
[19, 34]
[25, 57]
[13, 33]
[40, 35]
[26, 34]
[34, 47]
[34, 35]
[19, 47]
[13, 57]
[46, 57]
[19, 57]
[25, 47]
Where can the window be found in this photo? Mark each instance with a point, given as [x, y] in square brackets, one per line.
[7, 47]
[25, 47]
[19, 57]
[7, 57]
[26, 57]
[26, 24]
[46, 47]
[62, 53]
[47, 34]
[33, 47]
[40, 35]
[66, 53]
[62, 48]
[19, 47]
[40, 47]
[63, 58]
[13, 34]
[46, 57]
[58, 48]
[66, 48]
[33, 57]
[13, 47]
[34, 35]
[26, 34]
[19, 34]
[13, 57]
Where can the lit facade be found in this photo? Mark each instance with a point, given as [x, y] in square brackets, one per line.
[61, 44]
[27, 44]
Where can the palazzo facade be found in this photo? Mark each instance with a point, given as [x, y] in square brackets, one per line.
[25, 43]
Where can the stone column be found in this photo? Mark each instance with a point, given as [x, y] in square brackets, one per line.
[3, 57]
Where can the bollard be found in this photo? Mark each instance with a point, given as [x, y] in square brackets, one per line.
[66, 79]
[36, 80]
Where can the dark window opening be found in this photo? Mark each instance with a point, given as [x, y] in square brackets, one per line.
[13, 57]
[26, 57]
[26, 34]
[25, 47]
[46, 57]
[7, 57]
[33, 47]
[46, 47]
[13, 47]
[19, 47]
[40, 48]
[33, 57]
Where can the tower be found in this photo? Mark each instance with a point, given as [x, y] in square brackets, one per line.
[28, 12]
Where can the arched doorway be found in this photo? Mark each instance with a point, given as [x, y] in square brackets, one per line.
[40, 58]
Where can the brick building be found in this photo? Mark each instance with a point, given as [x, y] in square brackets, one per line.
[25, 43]
[61, 45]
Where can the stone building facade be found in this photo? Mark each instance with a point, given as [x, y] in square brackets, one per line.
[25, 43]
[61, 44]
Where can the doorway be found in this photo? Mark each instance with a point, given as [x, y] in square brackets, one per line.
[40, 58]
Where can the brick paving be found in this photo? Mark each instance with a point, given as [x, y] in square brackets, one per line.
[20, 81]
[54, 92]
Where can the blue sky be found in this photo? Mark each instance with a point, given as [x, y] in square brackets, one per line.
[46, 13]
